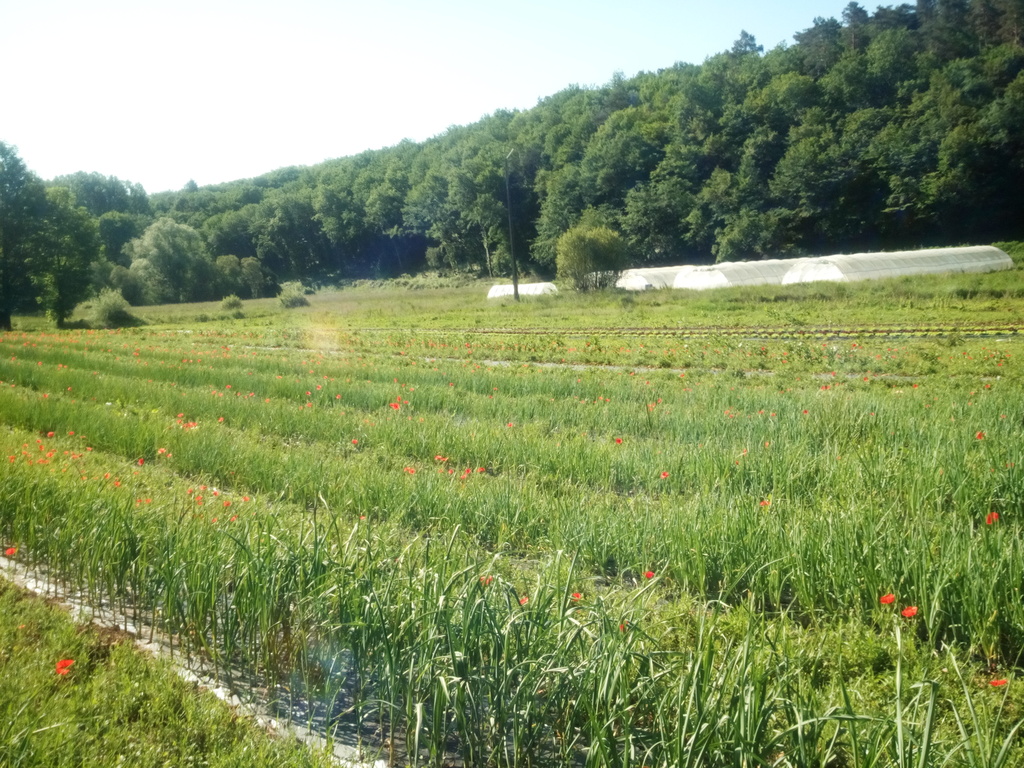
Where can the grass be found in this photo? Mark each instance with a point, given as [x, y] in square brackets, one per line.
[615, 546]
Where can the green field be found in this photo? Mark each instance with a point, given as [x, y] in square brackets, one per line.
[753, 527]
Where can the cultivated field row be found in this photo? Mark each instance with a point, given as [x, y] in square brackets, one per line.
[529, 563]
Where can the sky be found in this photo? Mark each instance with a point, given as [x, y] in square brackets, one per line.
[160, 93]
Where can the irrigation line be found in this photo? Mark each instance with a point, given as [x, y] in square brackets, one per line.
[713, 331]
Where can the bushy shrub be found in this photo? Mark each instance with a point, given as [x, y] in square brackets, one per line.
[292, 296]
[110, 310]
[231, 303]
[590, 257]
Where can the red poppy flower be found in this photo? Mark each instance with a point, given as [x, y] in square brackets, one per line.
[524, 600]
[997, 683]
[649, 575]
[141, 462]
[618, 441]
[991, 517]
[354, 441]
[49, 434]
[396, 406]
[10, 551]
[576, 596]
[64, 665]
[765, 503]
[887, 599]
[909, 612]
[664, 475]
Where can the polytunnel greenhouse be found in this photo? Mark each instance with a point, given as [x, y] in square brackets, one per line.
[645, 279]
[525, 289]
[838, 268]
[874, 266]
[767, 272]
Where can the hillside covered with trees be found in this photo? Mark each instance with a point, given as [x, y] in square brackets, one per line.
[895, 128]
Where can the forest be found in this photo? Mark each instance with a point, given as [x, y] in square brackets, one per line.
[901, 127]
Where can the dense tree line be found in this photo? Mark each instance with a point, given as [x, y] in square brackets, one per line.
[900, 127]
[894, 128]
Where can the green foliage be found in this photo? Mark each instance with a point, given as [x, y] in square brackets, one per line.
[172, 263]
[110, 310]
[22, 210]
[231, 303]
[292, 296]
[591, 257]
[67, 246]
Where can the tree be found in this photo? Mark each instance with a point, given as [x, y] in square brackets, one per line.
[252, 276]
[66, 247]
[172, 262]
[117, 229]
[855, 22]
[821, 45]
[22, 205]
[590, 257]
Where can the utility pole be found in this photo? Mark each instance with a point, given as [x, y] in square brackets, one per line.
[511, 249]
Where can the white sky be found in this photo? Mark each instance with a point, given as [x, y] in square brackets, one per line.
[158, 93]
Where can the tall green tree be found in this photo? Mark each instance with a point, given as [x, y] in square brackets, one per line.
[172, 262]
[67, 245]
[22, 207]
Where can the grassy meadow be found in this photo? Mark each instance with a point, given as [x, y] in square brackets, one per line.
[772, 527]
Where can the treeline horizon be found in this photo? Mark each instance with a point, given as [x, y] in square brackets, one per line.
[902, 127]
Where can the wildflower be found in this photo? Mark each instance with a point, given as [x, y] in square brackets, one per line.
[395, 406]
[618, 441]
[49, 434]
[140, 462]
[991, 517]
[997, 683]
[576, 596]
[887, 599]
[649, 575]
[765, 503]
[64, 665]
[909, 612]
[485, 580]
[664, 475]
[409, 470]
[354, 441]
[11, 551]
[524, 600]
[980, 435]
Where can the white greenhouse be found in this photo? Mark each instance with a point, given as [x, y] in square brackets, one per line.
[767, 272]
[873, 266]
[525, 289]
[647, 278]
